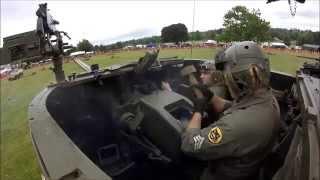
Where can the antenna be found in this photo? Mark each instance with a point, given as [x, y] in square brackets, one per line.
[194, 11]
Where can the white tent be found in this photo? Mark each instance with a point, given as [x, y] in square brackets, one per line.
[141, 46]
[209, 41]
[90, 52]
[278, 45]
[129, 47]
[77, 53]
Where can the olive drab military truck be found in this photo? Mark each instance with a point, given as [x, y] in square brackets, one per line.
[119, 123]
[23, 47]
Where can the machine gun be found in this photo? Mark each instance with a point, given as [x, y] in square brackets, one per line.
[51, 40]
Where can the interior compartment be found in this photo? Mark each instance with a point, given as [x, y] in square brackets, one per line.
[92, 114]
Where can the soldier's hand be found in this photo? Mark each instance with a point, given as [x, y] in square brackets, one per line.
[200, 105]
[205, 91]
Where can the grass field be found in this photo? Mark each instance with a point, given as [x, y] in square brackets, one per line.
[17, 156]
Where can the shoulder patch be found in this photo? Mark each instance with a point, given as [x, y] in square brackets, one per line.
[215, 135]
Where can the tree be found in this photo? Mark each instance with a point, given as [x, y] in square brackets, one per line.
[210, 34]
[96, 48]
[196, 36]
[286, 40]
[85, 45]
[174, 33]
[301, 37]
[241, 24]
[119, 45]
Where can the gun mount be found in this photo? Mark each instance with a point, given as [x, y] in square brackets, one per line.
[54, 48]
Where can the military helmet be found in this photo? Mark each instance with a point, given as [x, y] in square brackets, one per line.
[245, 68]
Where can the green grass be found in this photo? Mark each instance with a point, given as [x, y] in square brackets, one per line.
[279, 61]
[17, 155]
[286, 63]
[127, 56]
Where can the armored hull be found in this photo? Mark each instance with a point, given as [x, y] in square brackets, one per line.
[119, 124]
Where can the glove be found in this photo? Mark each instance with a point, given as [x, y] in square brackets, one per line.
[205, 91]
[200, 105]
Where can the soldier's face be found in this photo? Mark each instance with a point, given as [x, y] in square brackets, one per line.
[206, 78]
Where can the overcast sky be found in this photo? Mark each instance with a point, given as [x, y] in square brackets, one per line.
[110, 21]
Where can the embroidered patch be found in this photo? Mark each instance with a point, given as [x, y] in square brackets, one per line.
[198, 141]
[215, 135]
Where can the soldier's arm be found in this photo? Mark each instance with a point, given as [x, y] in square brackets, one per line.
[166, 86]
[195, 122]
[216, 141]
[219, 104]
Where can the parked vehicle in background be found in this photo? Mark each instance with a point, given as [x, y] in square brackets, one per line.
[15, 74]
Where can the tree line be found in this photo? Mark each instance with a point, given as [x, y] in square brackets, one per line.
[239, 24]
